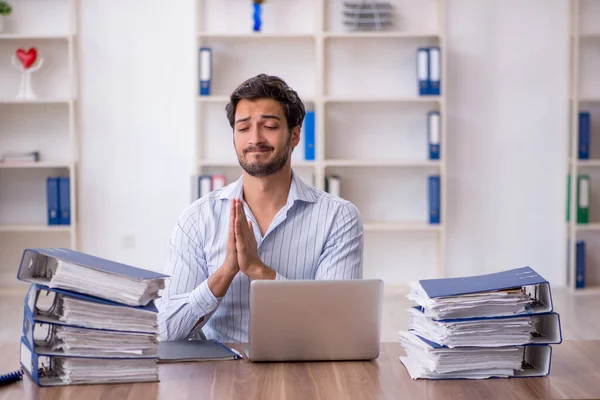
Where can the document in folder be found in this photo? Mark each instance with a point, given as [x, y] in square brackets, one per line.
[514, 292]
[84, 273]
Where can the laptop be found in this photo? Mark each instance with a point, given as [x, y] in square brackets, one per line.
[315, 320]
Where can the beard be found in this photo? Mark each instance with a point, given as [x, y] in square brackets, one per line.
[261, 169]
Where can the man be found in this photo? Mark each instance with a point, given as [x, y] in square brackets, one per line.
[266, 225]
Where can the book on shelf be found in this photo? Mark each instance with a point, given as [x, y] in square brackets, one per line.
[429, 71]
[582, 198]
[58, 200]
[585, 124]
[498, 325]
[333, 185]
[204, 184]
[205, 56]
[434, 134]
[88, 320]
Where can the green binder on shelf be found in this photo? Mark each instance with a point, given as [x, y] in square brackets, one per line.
[583, 199]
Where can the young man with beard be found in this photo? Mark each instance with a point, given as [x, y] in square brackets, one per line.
[266, 225]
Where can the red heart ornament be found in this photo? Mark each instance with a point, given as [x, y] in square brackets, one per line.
[28, 57]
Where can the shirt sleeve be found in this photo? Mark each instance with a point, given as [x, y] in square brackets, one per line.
[342, 256]
[186, 298]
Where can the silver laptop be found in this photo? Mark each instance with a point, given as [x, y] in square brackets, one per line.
[315, 320]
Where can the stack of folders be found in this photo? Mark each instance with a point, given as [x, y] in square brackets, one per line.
[88, 320]
[485, 326]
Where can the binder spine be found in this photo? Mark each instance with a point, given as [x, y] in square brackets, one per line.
[423, 71]
[52, 200]
[580, 265]
[434, 134]
[583, 199]
[205, 72]
[64, 201]
[584, 135]
[309, 139]
[434, 199]
[434, 71]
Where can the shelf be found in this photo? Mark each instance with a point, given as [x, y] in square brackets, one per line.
[37, 101]
[34, 36]
[591, 227]
[588, 163]
[401, 227]
[382, 163]
[257, 36]
[226, 163]
[39, 164]
[213, 99]
[415, 99]
[381, 34]
[589, 99]
[35, 228]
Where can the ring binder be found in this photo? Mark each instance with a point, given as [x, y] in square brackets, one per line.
[11, 377]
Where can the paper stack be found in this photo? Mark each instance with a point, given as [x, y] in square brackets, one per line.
[494, 325]
[88, 320]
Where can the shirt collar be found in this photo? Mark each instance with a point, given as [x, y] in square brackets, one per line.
[298, 190]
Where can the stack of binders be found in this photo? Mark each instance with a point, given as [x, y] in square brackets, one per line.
[88, 320]
[497, 325]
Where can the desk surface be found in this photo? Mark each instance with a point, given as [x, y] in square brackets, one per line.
[575, 373]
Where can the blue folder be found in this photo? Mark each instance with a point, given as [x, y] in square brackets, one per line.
[550, 331]
[514, 278]
[536, 356]
[36, 290]
[41, 367]
[32, 256]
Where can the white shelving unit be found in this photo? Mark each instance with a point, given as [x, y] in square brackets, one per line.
[370, 120]
[584, 96]
[48, 124]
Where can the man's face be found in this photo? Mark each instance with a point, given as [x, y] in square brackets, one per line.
[261, 137]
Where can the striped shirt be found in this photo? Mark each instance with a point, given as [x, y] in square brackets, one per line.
[314, 236]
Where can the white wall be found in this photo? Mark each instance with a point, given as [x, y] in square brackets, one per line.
[507, 98]
[508, 119]
[137, 116]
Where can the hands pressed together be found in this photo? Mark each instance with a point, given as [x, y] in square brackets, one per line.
[242, 249]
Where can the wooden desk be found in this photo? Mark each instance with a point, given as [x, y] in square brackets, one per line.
[575, 373]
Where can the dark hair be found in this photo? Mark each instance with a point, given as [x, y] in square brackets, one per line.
[268, 86]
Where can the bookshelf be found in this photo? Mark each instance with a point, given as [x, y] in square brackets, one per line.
[584, 97]
[47, 124]
[371, 122]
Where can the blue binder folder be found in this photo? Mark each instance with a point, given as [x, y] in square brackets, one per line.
[42, 368]
[435, 71]
[434, 199]
[510, 279]
[52, 200]
[40, 311]
[584, 135]
[580, 264]
[205, 70]
[309, 136]
[434, 134]
[40, 265]
[423, 71]
[536, 357]
[64, 201]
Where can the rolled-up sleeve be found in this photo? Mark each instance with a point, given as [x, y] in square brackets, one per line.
[186, 298]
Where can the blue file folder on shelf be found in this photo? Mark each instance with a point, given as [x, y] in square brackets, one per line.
[423, 71]
[584, 135]
[205, 70]
[580, 264]
[434, 134]
[84, 273]
[434, 199]
[309, 136]
[435, 69]
[52, 200]
[64, 201]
